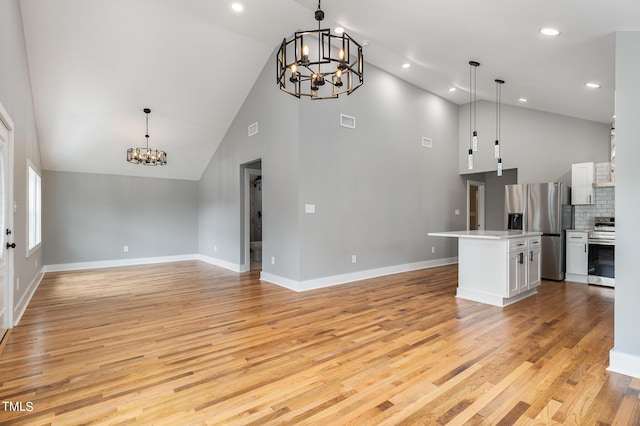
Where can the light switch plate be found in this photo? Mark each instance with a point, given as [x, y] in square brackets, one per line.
[309, 208]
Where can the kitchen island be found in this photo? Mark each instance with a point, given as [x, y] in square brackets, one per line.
[496, 267]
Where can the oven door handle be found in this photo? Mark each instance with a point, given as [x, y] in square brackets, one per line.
[601, 243]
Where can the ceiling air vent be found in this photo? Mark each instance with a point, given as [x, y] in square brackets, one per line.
[347, 121]
[253, 129]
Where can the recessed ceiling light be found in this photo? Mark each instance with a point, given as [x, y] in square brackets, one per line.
[452, 89]
[237, 7]
[524, 100]
[339, 30]
[550, 31]
[592, 85]
[406, 65]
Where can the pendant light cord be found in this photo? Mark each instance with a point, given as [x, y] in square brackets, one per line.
[497, 112]
[470, 105]
[147, 133]
[475, 98]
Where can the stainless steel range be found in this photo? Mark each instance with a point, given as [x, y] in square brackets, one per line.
[602, 242]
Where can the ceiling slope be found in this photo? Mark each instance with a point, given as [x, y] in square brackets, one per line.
[96, 64]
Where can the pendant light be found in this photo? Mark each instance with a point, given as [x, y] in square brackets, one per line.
[497, 155]
[473, 146]
[145, 155]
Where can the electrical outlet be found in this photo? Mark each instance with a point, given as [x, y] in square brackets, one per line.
[125, 249]
[354, 259]
[273, 260]
[456, 212]
[433, 249]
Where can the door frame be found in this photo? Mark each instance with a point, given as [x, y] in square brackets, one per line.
[9, 276]
[481, 202]
[249, 172]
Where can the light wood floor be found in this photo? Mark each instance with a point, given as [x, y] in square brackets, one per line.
[189, 343]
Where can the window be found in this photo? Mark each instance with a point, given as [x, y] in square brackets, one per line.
[35, 209]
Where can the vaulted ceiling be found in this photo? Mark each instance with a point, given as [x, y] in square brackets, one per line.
[95, 64]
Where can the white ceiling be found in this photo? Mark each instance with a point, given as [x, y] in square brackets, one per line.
[95, 64]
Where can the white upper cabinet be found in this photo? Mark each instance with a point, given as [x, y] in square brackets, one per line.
[582, 183]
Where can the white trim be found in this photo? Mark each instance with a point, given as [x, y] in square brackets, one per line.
[9, 276]
[478, 184]
[492, 299]
[117, 262]
[246, 219]
[329, 281]
[576, 278]
[221, 263]
[38, 172]
[21, 306]
[623, 363]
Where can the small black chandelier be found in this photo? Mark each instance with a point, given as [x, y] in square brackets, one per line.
[146, 156]
[336, 67]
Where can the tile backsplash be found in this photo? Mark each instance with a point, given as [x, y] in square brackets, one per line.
[605, 201]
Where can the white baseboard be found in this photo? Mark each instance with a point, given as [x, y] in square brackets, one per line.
[582, 279]
[221, 263]
[352, 276]
[117, 262]
[19, 309]
[623, 363]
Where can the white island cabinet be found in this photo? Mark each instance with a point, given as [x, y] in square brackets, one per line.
[497, 267]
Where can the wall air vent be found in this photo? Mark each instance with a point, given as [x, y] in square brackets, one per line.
[253, 129]
[347, 121]
[427, 142]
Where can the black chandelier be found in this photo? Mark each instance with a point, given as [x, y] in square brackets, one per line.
[336, 67]
[146, 156]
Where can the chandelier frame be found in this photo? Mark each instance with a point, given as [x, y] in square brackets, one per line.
[299, 74]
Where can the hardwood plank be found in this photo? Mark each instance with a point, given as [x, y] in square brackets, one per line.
[189, 343]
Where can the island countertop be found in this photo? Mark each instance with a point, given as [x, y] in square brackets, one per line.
[485, 235]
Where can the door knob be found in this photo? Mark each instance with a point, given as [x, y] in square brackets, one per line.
[11, 245]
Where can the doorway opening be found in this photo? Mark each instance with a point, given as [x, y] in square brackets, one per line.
[475, 206]
[252, 216]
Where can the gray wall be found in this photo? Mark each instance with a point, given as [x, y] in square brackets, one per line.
[494, 195]
[15, 96]
[627, 314]
[541, 145]
[220, 190]
[90, 217]
[377, 191]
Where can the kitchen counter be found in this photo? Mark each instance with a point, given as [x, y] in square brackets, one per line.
[497, 267]
[485, 235]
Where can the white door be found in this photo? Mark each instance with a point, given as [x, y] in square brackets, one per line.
[6, 222]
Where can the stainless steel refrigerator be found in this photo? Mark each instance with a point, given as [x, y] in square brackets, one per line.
[546, 208]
